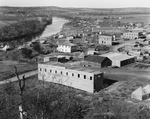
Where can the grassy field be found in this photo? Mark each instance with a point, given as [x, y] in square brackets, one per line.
[127, 18]
[7, 20]
[7, 68]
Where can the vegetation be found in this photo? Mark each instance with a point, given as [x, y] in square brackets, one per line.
[7, 69]
[37, 47]
[27, 53]
[43, 100]
[23, 29]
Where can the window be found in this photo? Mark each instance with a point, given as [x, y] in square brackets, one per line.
[50, 70]
[66, 73]
[72, 74]
[40, 69]
[45, 70]
[90, 77]
[61, 72]
[84, 76]
[55, 72]
[78, 75]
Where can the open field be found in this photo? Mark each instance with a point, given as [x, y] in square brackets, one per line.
[145, 18]
[10, 18]
[7, 68]
[2, 24]
[7, 20]
[127, 74]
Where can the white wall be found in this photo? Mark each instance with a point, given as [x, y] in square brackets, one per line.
[68, 80]
[105, 40]
[130, 35]
[63, 48]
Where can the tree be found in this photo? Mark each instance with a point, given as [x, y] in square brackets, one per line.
[37, 47]
[27, 53]
[21, 87]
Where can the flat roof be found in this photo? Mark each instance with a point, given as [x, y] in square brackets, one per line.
[117, 56]
[76, 66]
[56, 54]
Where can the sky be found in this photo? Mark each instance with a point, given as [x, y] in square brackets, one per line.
[78, 3]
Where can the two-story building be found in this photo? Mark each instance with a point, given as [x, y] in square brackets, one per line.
[105, 39]
[66, 46]
[131, 35]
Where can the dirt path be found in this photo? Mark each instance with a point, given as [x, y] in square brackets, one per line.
[13, 79]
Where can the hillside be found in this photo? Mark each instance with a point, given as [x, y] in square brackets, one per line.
[53, 9]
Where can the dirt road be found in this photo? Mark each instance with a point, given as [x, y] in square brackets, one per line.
[13, 79]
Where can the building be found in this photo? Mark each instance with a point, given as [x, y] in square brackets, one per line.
[131, 35]
[133, 47]
[109, 30]
[91, 51]
[71, 74]
[105, 39]
[119, 59]
[66, 46]
[97, 61]
[142, 93]
[139, 24]
[55, 57]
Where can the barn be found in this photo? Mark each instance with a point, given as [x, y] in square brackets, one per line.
[119, 59]
[97, 61]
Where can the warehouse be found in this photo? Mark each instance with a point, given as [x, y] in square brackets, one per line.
[119, 59]
[97, 61]
[71, 74]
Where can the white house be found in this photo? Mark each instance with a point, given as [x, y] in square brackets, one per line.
[5, 48]
[66, 46]
[71, 74]
[142, 93]
[130, 35]
[105, 40]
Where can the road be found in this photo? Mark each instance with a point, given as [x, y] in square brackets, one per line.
[13, 79]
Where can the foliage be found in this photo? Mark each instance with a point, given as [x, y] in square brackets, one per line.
[37, 47]
[27, 53]
[23, 28]
[117, 110]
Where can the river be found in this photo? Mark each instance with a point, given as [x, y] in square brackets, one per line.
[54, 28]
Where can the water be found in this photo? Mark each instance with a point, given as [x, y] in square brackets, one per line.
[54, 28]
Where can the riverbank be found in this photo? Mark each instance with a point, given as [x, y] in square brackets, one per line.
[25, 28]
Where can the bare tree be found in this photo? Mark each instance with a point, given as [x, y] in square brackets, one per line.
[21, 87]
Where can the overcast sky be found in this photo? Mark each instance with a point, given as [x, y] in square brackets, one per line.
[78, 3]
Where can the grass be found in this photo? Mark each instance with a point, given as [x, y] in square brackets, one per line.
[7, 68]
[10, 18]
[130, 18]
[7, 20]
[32, 84]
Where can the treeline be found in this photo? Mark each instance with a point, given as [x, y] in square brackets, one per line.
[25, 28]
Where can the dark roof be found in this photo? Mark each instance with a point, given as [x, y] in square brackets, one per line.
[95, 58]
[65, 42]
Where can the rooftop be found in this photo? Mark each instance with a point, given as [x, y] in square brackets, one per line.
[57, 55]
[117, 56]
[78, 66]
[65, 42]
[95, 58]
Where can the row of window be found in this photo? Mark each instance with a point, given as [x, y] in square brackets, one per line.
[130, 34]
[66, 73]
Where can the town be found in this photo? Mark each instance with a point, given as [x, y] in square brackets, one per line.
[104, 57]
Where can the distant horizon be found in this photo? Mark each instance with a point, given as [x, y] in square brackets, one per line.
[106, 4]
[79, 7]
